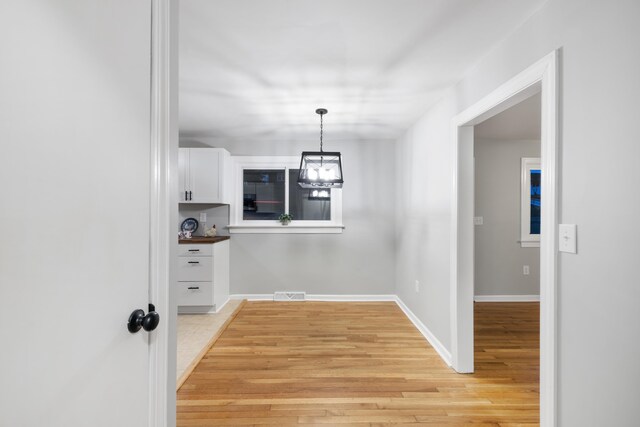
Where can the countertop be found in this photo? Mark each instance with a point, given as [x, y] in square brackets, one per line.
[203, 240]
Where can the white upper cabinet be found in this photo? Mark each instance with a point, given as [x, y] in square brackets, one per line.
[203, 174]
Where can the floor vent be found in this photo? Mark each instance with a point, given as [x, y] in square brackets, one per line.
[289, 296]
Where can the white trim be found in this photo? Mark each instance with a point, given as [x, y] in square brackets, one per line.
[506, 298]
[285, 229]
[218, 309]
[252, 297]
[351, 298]
[239, 226]
[532, 244]
[429, 336]
[540, 77]
[527, 240]
[163, 205]
[318, 297]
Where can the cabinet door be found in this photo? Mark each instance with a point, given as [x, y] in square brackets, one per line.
[183, 174]
[204, 171]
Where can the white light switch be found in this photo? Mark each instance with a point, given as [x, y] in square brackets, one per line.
[567, 238]
[478, 220]
[203, 217]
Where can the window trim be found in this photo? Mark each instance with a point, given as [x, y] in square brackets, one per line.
[527, 240]
[241, 226]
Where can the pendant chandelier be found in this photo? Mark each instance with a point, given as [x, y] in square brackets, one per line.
[320, 169]
[321, 194]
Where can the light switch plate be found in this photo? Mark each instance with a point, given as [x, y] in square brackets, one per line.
[203, 217]
[567, 241]
[478, 220]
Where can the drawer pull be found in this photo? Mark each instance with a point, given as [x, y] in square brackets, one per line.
[194, 262]
[194, 250]
[193, 287]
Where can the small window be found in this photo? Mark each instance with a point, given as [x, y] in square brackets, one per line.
[531, 192]
[268, 186]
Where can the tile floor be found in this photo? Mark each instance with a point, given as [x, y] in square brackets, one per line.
[195, 331]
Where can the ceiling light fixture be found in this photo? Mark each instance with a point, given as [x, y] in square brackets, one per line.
[322, 194]
[320, 169]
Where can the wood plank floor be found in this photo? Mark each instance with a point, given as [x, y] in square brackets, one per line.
[362, 364]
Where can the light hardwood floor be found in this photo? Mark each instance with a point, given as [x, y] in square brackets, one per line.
[362, 364]
[196, 333]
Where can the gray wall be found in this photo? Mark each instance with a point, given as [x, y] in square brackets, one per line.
[498, 257]
[361, 260]
[598, 291]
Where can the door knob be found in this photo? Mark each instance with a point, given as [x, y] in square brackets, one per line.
[139, 320]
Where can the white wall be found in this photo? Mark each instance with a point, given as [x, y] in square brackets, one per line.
[498, 257]
[598, 291]
[216, 215]
[361, 260]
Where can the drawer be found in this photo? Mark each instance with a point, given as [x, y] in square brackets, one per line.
[195, 293]
[195, 269]
[195, 250]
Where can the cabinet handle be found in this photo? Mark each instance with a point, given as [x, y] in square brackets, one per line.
[193, 287]
[194, 250]
[194, 262]
[190, 198]
[186, 196]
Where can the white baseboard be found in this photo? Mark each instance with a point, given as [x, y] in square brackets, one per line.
[506, 298]
[445, 355]
[253, 297]
[218, 309]
[317, 297]
[351, 298]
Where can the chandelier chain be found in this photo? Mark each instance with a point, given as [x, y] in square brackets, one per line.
[321, 132]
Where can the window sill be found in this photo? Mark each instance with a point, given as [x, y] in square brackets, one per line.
[286, 229]
[530, 244]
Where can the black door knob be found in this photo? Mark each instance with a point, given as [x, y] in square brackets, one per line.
[139, 320]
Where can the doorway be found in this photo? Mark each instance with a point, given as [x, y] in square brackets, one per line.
[507, 249]
[541, 78]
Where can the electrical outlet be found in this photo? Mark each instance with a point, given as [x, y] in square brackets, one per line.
[417, 286]
[203, 217]
[478, 220]
[525, 270]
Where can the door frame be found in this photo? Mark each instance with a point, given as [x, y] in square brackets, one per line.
[163, 205]
[539, 77]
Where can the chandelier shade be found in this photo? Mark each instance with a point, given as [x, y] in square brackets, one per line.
[320, 169]
[321, 194]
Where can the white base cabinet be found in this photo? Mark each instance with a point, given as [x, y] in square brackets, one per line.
[203, 277]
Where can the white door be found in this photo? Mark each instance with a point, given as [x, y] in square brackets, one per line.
[74, 212]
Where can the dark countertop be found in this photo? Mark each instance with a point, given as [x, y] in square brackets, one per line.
[203, 240]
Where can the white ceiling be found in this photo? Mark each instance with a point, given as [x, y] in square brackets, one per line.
[258, 69]
[520, 122]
